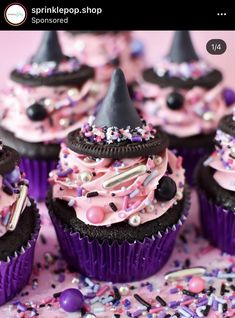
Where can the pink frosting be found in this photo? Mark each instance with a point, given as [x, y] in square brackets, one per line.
[200, 113]
[223, 161]
[98, 50]
[68, 108]
[135, 196]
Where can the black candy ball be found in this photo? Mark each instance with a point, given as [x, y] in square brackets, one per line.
[36, 112]
[175, 101]
[165, 190]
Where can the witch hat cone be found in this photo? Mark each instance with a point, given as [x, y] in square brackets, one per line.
[49, 49]
[117, 108]
[182, 49]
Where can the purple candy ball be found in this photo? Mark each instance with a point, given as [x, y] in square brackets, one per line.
[71, 300]
[229, 96]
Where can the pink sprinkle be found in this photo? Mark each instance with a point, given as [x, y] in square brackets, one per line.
[102, 290]
[207, 250]
[187, 302]
[155, 310]
[136, 204]
[125, 202]
[87, 307]
[47, 300]
[179, 162]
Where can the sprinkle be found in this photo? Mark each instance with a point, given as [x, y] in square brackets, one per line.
[189, 293]
[125, 203]
[124, 176]
[63, 174]
[226, 275]
[185, 272]
[79, 191]
[150, 177]
[71, 202]
[113, 206]
[142, 301]
[134, 193]
[161, 301]
[92, 194]
[102, 290]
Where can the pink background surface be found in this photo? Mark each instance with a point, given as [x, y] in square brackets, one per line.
[16, 46]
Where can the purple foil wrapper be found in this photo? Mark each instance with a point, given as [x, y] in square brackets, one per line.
[16, 271]
[37, 172]
[117, 262]
[218, 224]
[191, 158]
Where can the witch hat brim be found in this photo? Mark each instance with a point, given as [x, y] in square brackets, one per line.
[182, 51]
[9, 158]
[227, 125]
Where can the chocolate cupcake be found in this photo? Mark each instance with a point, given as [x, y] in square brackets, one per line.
[216, 188]
[118, 197]
[184, 95]
[19, 226]
[106, 50]
[49, 96]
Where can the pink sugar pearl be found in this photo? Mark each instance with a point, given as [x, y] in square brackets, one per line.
[95, 214]
[196, 284]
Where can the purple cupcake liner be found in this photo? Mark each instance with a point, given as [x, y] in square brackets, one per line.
[15, 271]
[37, 172]
[191, 158]
[117, 262]
[218, 224]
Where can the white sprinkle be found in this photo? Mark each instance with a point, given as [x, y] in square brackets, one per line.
[94, 300]
[226, 275]
[149, 178]
[210, 300]
[89, 282]
[199, 311]
[220, 308]
[134, 193]
[71, 202]
[98, 309]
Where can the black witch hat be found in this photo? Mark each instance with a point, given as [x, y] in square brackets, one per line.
[182, 51]
[117, 110]
[50, 50]
[9, 158]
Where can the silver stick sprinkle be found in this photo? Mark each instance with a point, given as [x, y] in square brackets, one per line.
[17, 208]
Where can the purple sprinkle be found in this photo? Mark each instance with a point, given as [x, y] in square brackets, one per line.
[201, 302]
[188, 310]
[174, 291]
[79, 191]
[162, 314]
[215, 305]
[21, 307]
[61, 278]
[65, 173]
[137, 313]
[136, 139]
[174, 304]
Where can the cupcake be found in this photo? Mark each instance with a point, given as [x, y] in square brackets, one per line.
[118, 197]
[184, 95]
[106, 50]
[49, 96]
[19, 226]
[215, 177]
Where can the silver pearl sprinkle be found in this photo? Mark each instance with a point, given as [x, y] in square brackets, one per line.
[134, 220]
[124, 290]
[85, 176]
